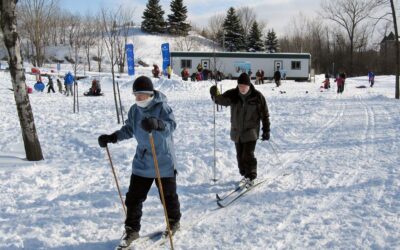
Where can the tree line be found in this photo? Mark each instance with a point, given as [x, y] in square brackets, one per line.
[342, 38]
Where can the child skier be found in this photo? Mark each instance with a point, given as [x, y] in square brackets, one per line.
[151, 113]
[371, 78]
[248, 108]
[326, 82]
[50, 84]
[340, 82]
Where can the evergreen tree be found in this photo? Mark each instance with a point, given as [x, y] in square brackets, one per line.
[255, 38]
[177, 24]
[153, 20]
[233, 31]
[271, 43]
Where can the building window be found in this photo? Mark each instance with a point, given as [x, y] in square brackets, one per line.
[296, 65]
[186, 63]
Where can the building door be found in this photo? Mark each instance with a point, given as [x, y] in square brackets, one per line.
[205, 63]
[278, 65]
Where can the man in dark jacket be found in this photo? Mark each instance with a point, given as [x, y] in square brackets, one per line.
[248, 108]
[277, 77]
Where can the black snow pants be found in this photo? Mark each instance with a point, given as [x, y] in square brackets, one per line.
[247, 162]
[137, 194]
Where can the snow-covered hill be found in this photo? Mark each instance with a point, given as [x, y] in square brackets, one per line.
[340, 151]
[147, 49]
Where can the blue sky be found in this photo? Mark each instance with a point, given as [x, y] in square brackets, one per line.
[275, 13]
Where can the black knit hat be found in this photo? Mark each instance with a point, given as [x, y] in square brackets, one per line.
[244, 79]
[143, 85]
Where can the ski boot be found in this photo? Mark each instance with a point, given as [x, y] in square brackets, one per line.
[129, 236]
[174, 226]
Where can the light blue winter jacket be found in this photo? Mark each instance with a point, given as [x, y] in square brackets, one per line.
[143, 162]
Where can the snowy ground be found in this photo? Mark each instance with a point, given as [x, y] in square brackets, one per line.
[341, 151]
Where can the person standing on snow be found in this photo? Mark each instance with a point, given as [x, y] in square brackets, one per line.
[155, 71]
[151, 113]
[326, 82]
[248, 109]
[68, 81]
[340, 82]
[50, 84]
[59, 85]
[169, 71]
[277, 77]
[371, 78]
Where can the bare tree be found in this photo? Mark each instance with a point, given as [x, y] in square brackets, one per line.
[123, 23]
[76, 38]
[89, 36]
[111, 33]
[185, 43]
[297, 30]
[215, 26]
[99, 43]
[396, 30]
[33, 150]
[247, 17]
[35, 17]
[350, 14]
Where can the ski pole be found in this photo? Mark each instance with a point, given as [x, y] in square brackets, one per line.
[276, 154]
[153, 151]
[215, 145]
[116, 180]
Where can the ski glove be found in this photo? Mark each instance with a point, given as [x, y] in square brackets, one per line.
[152, 123]
[104, 139]
[214, 92]
[265, 136]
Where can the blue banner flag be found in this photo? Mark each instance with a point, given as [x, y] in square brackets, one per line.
[166, 57]
[130, 59]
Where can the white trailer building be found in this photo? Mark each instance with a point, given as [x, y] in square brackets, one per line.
[295, 66]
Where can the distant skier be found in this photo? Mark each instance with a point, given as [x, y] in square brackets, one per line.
[50, 84]
[258, 77]
[340, 80]
[248, 108]
[155, 71]
[277, 77]
[169, 71]
[371, 78]
[262, 77]
[326, 82]
[151, 113]
[68, 81]
[59, 85]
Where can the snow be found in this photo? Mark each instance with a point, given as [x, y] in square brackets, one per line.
[331, 167]
[340, 151]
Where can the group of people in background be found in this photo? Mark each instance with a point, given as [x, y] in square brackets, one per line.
[341, 79]
[205, 74]
[69, 80]
[260, 77]
[157, 72]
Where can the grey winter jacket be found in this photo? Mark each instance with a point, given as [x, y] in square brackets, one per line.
[143, 162]
[245, 116]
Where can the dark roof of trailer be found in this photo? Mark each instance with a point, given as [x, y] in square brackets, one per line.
[241, 54]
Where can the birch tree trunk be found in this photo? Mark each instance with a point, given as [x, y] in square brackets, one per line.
[396, 31]
[11, 39]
